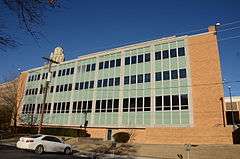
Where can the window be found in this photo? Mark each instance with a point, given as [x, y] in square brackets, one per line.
[76, 86]
[158, 55]
[139, 104]
[103, 106]
[63, 72]
[140, 58]
[133, 59]
[127, 60]
[182, 73]
[72, 71]
[74, 107]
[174, 74]
[43, 75]
[181, 51]
[106, 64]
[68, 71]
[111, 80]
[81, 85]
[115, 105]
[26, 92]
[140, 78]
[165, 54]
[158, 76]
[125, 105]
[65, 87]
[165, 75]
[118, 62]
[109, 105]
[166, 101]
[173, 53]
[36, 90]
[61, 88]
[54, 74]
[89, 108]
[98, 103]
[93, 67]
[39, 75]
[112, 63]
[184, 99]
[59, 107]
[105, 82]
[175, 102]
[79, 106]
[91, 84]
[69, 86]
[63, 107]
[100, 65]
[84, 107]
[133, 79]
[57, 89]
[88, 68]
[147, 57]
[54, 107]
[132, 104]
[147, 77]
[99, 83]
[51, 89]
[86, 85]
[117, 81]
[126, 80]
[158, 103]
[147, 103]
[67, 107]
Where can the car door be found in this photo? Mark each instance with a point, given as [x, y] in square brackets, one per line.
[47, 144]
[59, 146]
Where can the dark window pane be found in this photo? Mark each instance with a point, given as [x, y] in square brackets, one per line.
[109, 105]
[99, 83]
[166, 100]
[76, 86]
[174, 74]
[84, 107]
[74, 107]
[100, 65]
[147, 57]
[67, 107]
[112, 63]
[133, 79]
[98, 102]
[61, 88]
[54, 107]
[63, 72]
[103, 106]
[165, 75]
[133, 59]
[175, 100]
[57, 89]
[39, 75]
[125, 105]
[140, 78]
[88, 67]
[184, 99]
[86, 85]
[158, 76]
[54, 74]
[118, 62]
[65, 87]
[165, 54]
[181, 51]
[173, 53]
[59, 73]
[126, 80]
[79, 106]
[59, 107]
[147, 77]
[140, 104]
[68, 71]
[91, 84]
[147, 103]
[140, 58]
[158, 102]
[106, 64]
[115, 105]
[132, 104]
[183, 73]
[117, 81]
[158, 55]
[63, 108]
[93, 67]
[127, 60]
[81, 85]
[89, 109]
[111, 80]
[69, 86]
[105, 82]
[72, 71]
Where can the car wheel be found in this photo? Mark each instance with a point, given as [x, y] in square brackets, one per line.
[39, 149]
[67, 151]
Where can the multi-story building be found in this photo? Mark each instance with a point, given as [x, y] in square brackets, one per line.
[165, 91]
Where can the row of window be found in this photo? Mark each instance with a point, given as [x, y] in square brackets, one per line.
[172, 53]
[171, 74]
[109, 64]
[61, 88]
[108, 82]
[139, 104]
[138, 59]
[133, 79]
[37, 77]
[33, 91]
[64, 72]
[84, 85]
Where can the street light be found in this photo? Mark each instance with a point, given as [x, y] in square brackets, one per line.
[230, 95]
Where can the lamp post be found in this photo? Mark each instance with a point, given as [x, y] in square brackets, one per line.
[230, 95]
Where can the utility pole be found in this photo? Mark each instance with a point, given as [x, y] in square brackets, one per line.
[45, 91]
[230, 95]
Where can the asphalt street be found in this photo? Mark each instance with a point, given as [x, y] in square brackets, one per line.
[10, 152]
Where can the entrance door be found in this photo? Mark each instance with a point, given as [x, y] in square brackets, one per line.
[109, 134]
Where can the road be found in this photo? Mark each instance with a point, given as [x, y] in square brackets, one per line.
[10, 152]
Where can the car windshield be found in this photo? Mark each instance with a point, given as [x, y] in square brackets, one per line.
[34, 136]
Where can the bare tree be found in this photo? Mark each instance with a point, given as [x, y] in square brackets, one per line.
[30, 15]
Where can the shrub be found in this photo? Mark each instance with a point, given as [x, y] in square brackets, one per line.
[121, 137]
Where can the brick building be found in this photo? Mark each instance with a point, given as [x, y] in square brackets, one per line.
[165, 91]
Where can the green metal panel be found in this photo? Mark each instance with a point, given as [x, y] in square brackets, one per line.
[176, 117]
[158, 118]
[174, 63]
[125, 118]
[147, 118]
[139, 118]
[167, 117]
[132, 119]
[182, 62]
[165, 64]
[185, 117]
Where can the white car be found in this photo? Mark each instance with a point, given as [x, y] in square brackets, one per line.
[44, 143]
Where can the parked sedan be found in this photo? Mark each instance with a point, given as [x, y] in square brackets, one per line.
[44, 143]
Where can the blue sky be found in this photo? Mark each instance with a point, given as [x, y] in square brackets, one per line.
[86, 26]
